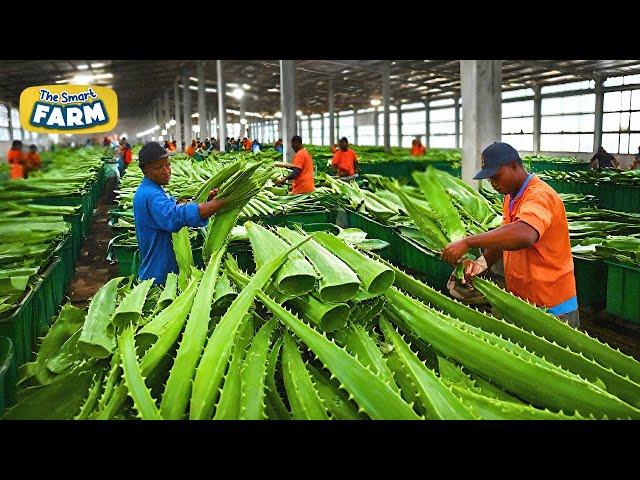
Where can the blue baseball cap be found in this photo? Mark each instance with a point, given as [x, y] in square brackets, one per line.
[495, 156]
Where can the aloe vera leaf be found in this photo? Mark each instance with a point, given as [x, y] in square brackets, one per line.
[158, 325]
[68, 354]
[338, 283]
[218, 348]
[67, 323]
[110, 381]
[168, 293]
[184, 255]
[531, 318]
[254, 373]
[305, 401]
[360, 344]
[95, 340]
[374, 397]
[92, 398]
[165, 332]
[493, 409]
[327, 316]
[455, 374]
[296, 276]
[562, 356]
[224, 294]
[376, 278]
[178, 389]
[228, 407]
[513, 367]
[335, 400]
[435, 400]
[129, 310]
[143, 402]
[218, 230]
[276, 409]
[422, 219]
[59, 400]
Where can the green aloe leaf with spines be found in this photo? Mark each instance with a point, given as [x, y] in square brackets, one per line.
[306, 403]
[276, 408]
[335, 400]
[129, 310]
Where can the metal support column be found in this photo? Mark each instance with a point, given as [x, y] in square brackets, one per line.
[427, 124]
[186, 95]
[322, 129]
[202, 102]
[386, 98]
[537, 118]
[355, 127]
[310, 131]
[597, 131]
[167, 114]
[332, 126]
[222, 117]
[376, 128]
[243, 130]
[399, 114]
[288, 106]
[457, 120]
[482, 98]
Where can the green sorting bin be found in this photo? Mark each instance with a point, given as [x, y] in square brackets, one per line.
[49, 295]
[303, 218]
[591, 282]
[128, 258]
[65, 251]
[556, 167]
[21, 327]
[8, 374]
[623, 288]
[623, 198]
[375, 230]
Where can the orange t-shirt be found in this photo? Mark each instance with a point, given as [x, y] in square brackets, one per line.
[542, 273]
[418, 150]
[303, 183]
[32, 161]
[16, 159]
[247, 144]
[190, 150]
[344, 162]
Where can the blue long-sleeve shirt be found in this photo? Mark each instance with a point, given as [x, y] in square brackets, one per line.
[157, 215]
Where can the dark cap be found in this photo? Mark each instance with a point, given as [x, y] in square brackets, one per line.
[495, 156]
[150, 152]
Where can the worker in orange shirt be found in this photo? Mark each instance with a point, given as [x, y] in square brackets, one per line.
[302, 169]
[246, 144]
[533, 240]
[32, 161]
[16, 160]
[345, 159]
[417, 149]
[191, 149]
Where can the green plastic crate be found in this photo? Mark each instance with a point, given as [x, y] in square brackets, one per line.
[623, 198]
[128, 259]
[21, 327]
[623, 286]
[557, 167]
[591, 282]
[8, 374]
[375, 230]
[49, 294]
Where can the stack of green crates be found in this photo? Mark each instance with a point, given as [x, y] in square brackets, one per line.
[623, 288]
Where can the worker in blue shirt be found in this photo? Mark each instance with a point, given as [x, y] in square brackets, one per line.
[157, 215]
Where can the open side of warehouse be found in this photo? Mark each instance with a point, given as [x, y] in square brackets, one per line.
[320, 239]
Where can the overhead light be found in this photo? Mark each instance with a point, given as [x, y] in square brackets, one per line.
[393, 63]
[167, 125]
[62, 81]
[246, 87]
[273, 90]
[157, 127]
[210, 90]
[191, 87]
[195, 115]
[237, 93]
[278, 115]
[81, 79]
[345, 71]
[299, 112]
[232, 84]
[103, 75]
[172, 122]
[193, 79]
[243, 121]
[375, 102]
[82, 67]
[97, 65]
[164, 131]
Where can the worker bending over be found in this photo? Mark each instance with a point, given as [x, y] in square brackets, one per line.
[345, 159]
[417, 149]
[191, 149]
[16, 160]
[157, 215]
[32, 161]
[533, 239]
[302, 169]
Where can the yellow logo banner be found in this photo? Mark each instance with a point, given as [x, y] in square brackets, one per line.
[68, 109]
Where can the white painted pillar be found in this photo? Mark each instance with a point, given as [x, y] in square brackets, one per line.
[222, 117]
[288, 106]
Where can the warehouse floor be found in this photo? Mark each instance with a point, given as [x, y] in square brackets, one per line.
[93, 270]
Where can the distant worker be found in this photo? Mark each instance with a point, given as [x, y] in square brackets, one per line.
[345, 160]
[106, 142]
[302, 169]
[417, 149]
[127, 154]
[191, 149]
[246, 143]
[603, 159]
[278, 146]
[32, 161]
[636, 161]
[157, 215]
[255, 146]
[16, 160]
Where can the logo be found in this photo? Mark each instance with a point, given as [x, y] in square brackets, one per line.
[68, 108]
